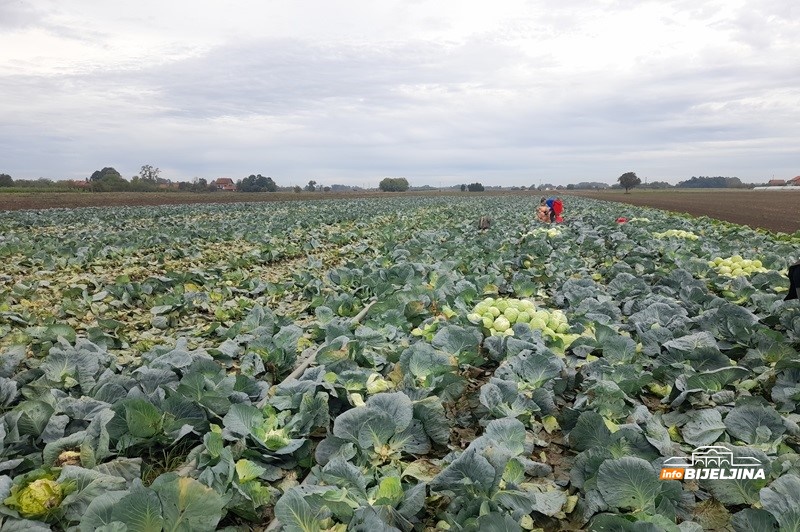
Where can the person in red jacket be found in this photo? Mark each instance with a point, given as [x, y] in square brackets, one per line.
[556, 208]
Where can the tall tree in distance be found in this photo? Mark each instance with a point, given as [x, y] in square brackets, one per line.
[311, 186]
[628, 180]
[149, 173]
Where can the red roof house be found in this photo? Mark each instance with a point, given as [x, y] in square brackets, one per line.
[776, 183]
[224, 183]
[794, 181]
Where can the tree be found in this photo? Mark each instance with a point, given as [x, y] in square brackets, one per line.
[393, 184]
[297, 189]
[6, 181]
[628, 180]
[200, 185]
[311, 186]
[98, 175]
[108, 179]
[463, 187]
[475, 187]
[257, 183]
[149, 174]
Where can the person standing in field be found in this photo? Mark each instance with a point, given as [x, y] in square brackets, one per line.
[543, 211]
[556, 207]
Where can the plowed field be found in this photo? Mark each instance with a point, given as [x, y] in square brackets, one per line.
[773, 210]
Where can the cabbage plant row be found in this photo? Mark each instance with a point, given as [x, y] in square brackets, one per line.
[526, 377]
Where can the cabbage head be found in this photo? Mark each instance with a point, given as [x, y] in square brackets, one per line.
[36, 499]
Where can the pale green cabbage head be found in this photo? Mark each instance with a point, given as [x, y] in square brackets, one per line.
[39, 497]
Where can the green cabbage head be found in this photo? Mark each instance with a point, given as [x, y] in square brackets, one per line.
[37, 498]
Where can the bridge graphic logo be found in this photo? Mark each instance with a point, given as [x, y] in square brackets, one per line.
[712, 462]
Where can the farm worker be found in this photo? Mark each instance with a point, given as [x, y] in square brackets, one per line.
[543, 211]
[794, 282]
[556, 208]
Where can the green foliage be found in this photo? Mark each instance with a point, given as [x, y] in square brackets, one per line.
[475, 187]
[629, 180]
[711, 182]
[149, 174]
[393, 184]
[108, 179]
[144, 354]
[257, 183]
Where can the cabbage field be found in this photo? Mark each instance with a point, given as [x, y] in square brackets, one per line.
[382, 365]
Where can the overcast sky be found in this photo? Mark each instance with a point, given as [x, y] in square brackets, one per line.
[441, 92]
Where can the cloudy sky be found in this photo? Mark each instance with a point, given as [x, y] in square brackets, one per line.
[442, 92]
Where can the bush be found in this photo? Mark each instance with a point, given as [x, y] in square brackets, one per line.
[393, 184]
[475, 187]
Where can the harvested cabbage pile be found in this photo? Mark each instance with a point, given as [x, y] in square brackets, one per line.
[736, 266]
[676, 233]
[498, 316]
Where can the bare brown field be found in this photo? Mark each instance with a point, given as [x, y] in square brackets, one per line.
[765, 209]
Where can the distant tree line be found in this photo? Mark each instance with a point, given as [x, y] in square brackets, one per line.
[655, 185]
[588, 185]
[108, 179]
[711, 182]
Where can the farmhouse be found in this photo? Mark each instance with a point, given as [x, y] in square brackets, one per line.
[224, 183]
[776, 182]
[794, 181]
[79, 184]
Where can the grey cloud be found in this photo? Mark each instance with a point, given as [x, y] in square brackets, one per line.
[16, 14]
[297, 110]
